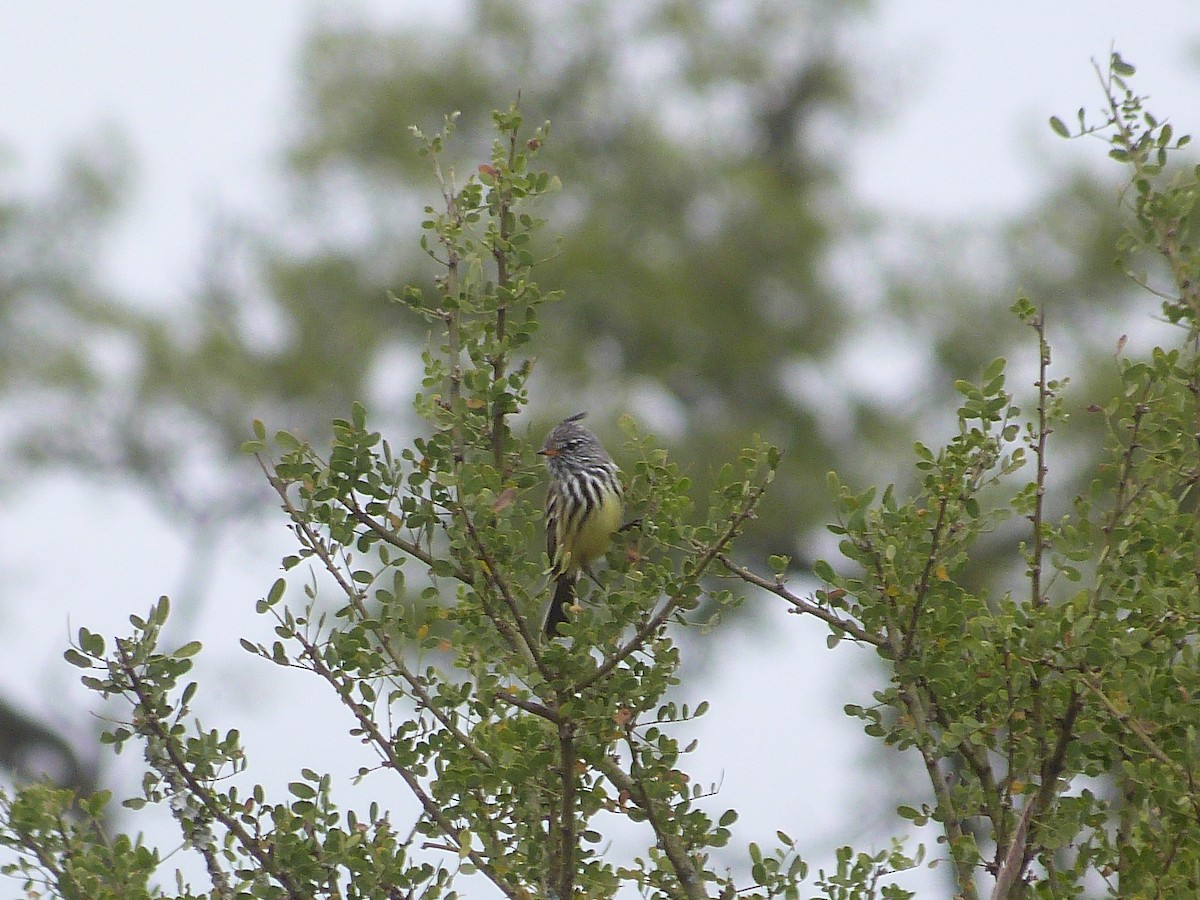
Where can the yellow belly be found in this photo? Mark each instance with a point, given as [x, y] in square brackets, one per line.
[595, 533]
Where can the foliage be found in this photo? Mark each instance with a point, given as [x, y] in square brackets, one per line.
[517, 751]
[1054, 721]
[1056, 724]
[709, 186]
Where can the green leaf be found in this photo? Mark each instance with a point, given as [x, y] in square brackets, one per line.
[301, 790]
[161, 611]
[994, 369]
[1057, 126]
[1122, 68]
[191, 648]
[288, 441]
[75, 658]
[824, 571]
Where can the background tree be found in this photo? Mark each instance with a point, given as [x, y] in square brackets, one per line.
[710, 187]
[703, 190]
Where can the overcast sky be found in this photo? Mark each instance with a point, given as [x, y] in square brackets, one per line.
[202, 94]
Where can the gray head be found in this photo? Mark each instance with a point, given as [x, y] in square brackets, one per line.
[570, 446]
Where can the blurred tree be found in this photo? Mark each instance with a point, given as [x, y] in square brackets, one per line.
[48, 289]
[723, 279]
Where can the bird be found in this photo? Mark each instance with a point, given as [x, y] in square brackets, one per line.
[583, 509]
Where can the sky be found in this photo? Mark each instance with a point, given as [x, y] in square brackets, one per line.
[970, 88]
[201, 93]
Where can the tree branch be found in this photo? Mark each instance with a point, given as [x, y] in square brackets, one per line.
[395, 655]
[1021, 849]
[656, 621]
[672, 845]
[800, 605]
[565, 856]
[485, 862]
[150, 721]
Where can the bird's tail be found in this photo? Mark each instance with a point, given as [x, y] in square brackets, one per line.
[564, 596]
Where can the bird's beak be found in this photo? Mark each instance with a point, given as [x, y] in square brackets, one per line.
[547, 451]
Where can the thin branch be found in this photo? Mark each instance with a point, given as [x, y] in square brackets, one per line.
[519, 637]
[566, 815]
[200, 791]
[395, 655]
[486, 863]
[977, 760]
[499, 358]
[800, 605]
[1021, 850]
[449, 287]
[656, 621]
[390, 537]
[657, 815]
[549, 713]
[951, 820]
[935, 539]
[1037, 553]
[1127, 722]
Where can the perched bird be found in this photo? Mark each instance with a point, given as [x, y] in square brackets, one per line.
[583, 509]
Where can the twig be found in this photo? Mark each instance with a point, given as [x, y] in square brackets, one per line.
[801, 605]
[935, 539]
[1127, 722]
[499, 359]
[1039, 538]
[518, 636]
[672, 603]
[674, 848]
[1021, 849]
[201, 792]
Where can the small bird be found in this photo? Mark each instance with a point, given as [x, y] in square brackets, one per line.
[583, 509]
